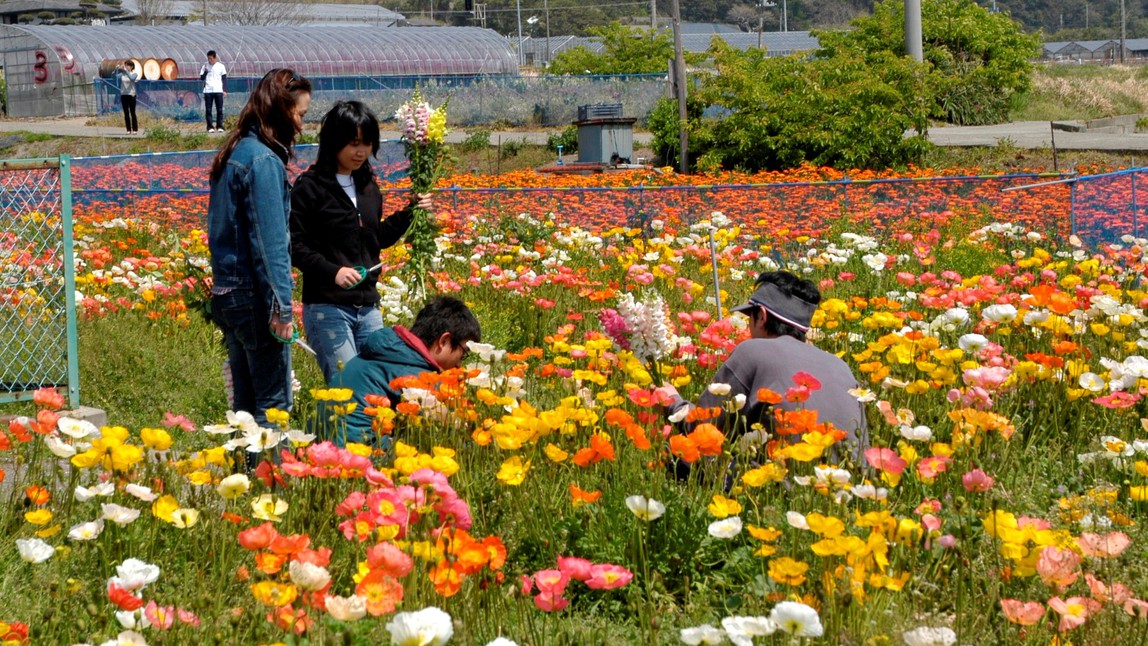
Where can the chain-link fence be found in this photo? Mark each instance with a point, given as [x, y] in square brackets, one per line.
[473, 100]
[37, 282]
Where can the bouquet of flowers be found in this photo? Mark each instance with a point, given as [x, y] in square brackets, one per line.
[424, 135]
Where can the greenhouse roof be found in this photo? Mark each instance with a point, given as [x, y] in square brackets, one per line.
[191, 12]
[312, 51]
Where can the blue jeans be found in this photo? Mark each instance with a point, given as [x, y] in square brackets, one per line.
[336, 332]
[260, 363]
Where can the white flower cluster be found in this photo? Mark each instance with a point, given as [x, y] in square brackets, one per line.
[650, 335]
[393, 298]
[791, 617]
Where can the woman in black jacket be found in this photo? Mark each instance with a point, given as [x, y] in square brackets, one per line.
[337, 231]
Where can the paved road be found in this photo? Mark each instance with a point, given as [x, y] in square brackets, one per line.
[1022, 134]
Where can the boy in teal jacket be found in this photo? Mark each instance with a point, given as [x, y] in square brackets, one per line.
[435, 342]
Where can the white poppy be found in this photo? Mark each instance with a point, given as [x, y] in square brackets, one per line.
[34, 550]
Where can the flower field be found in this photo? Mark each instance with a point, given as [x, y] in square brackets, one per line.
[527, 498]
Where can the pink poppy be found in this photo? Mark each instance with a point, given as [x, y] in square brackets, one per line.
[1136, 608]
[550, 602]
[1074, 611]
[1117, 593]
[160, 616]
[977, 481]
[933, 466]
[575, 567]
[1118, 399]
[352, 503]
[1058, 568]
[1103, 545]
[170, 419]
[527, 585]
[188, 617]
[390, 560]
[884, 459]
[607, 576]
[551, 581]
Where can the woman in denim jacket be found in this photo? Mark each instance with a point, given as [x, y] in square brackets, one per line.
[337, 232]
[247, 225]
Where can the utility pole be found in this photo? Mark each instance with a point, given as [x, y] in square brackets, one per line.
[680, 87]
[784, 15]
[913, 45]
[653, 15]
[521, 55]
[204, 16]
[1123, 30]
[546, 8]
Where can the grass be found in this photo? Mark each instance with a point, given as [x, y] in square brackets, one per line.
[1081, 92]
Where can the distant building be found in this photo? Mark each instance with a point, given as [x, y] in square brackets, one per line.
[44, 12]
[538, 52]
[185, 12]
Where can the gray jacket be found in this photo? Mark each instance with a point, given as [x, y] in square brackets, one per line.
[771, 363]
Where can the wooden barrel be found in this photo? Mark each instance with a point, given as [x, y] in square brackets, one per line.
[168, 69]
[151, 69]
[108, 67]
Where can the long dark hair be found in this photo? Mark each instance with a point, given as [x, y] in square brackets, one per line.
[270, 110]
[343, 123]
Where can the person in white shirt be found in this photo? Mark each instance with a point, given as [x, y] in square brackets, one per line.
[214, 77]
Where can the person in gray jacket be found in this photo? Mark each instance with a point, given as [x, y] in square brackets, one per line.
[128, 76]
[780, 311]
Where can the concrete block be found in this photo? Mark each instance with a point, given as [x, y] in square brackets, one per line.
[97, 416]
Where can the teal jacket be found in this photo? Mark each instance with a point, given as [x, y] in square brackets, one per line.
[385, 355]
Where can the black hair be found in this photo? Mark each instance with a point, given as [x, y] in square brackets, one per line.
[130, 64]
[211, 52]
[343, 123]
[446, 314]
[790, 285]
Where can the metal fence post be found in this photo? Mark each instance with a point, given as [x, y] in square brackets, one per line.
[1072, 208]
[68, 244]
[1135, 210]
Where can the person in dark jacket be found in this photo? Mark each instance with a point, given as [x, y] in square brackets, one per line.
[436, 341]
[337, 232]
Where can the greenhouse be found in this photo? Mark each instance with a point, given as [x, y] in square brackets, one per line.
[64, 70]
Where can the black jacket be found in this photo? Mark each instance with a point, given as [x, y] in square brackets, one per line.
[328, 232]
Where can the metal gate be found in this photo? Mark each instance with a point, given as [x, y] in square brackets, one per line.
[37, 280]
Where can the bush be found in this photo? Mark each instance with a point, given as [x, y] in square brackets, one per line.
[476, 140]
[778, 113]
[568, 139]
[511, 148]
[663, 124]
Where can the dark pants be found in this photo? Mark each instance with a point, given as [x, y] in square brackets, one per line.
[130, 122]
[260, 364]
[208, 99]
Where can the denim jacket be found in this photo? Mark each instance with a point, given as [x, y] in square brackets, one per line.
[247, 227]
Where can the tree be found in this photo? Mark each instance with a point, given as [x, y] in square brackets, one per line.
[979, 60]
[628, 50]
[256, 12]
[150, 12]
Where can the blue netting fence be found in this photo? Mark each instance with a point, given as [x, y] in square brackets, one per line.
[1100, 208]
[473, 100]
[1109, 207]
